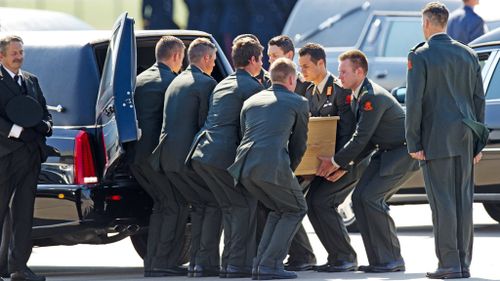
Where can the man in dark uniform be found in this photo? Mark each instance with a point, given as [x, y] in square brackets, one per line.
[464, 24]
[281, 46]
[266, 158]
[327, 98]
[440, 98]
[22, 150]
[379, 125]
[263, 76]
[169, 215]
[185, 111]
[214, 150]
[300, 256]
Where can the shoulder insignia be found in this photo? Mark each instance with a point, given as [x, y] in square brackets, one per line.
[367, 106]
[417, 46]
[329, 90]
[410, 65]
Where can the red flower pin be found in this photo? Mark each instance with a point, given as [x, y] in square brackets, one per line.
[368, 106]
[348, 99]
[410, 65]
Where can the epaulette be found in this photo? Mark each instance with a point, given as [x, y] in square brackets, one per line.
[417, 46]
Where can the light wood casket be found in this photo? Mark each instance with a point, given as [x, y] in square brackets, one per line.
[320, 142]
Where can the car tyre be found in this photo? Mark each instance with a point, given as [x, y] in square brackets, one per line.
[493, 209]
[140, 244]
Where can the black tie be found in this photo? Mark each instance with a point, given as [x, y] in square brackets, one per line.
[16, 78]
[354, 106]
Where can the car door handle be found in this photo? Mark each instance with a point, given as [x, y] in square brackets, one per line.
[381, 74]
[58, 108]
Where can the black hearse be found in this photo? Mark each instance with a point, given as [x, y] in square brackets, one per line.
[85, 192]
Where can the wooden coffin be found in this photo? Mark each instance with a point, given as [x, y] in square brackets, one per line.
[320, 142]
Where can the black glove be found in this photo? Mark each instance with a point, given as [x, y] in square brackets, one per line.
[28, 135]
[42, 128]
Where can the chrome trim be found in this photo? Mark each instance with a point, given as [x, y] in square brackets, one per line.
[58, 108]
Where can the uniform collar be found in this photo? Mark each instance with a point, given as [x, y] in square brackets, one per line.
[12, 74]
[437, 35]
[356, 93]
[321, 85]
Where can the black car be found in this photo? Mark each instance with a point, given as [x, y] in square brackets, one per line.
[86, 193]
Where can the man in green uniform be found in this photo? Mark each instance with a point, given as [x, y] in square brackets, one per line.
[168, 220]
[264, 164]
[185, 111]
[445, 89]
[327, 98]
[263, 76]
[379, 126]
[300, 256]
[214, 149]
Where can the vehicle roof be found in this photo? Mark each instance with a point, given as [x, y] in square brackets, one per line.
[14, 19]
[308, 14]
[488, 39]
[84, 37]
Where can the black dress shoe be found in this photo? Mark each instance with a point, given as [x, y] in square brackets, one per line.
[169, 271]
[268, 273]
[206, 271]
[233, 271]
[4, 274]
[365, 268]
[26, 275]
[300, 266]
[446, 273]
[393, 266]
[339, 266]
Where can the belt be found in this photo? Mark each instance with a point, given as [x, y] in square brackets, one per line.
[385, 147]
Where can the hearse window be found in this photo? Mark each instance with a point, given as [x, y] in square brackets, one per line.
[402, 35]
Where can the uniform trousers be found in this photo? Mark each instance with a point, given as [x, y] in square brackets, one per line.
[206, 218]
[238, 215]
[288, 208]
[323, 198]
[19, 172]
[449, 185]
[378, 183]
[168, 219]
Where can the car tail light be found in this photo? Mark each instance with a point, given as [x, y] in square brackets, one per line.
[83, 160]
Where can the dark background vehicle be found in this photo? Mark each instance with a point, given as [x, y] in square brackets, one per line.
[85, 192]
[384, 30]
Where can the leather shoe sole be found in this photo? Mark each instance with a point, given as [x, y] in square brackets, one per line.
[337, 269]
[444, 275]
[300, 267]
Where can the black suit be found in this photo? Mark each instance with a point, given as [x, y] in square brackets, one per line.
[19, 168]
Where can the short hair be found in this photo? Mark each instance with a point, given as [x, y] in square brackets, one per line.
[281, 69]
[6, 40]
[316, 51]
[283, 42]
[246, 35]
[167, 46]
[437, 13]
[199, 48]
[243, 50]
[357, 58]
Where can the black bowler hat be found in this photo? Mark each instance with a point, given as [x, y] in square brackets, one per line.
[24, 111]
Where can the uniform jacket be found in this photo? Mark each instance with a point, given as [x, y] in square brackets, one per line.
[8, 89]
[333, 101]
[302, 85]
[264, 78]
[274, 127]
[380, 123]
[184, 113]
[444, 87]
[465, 25]
[148, 98]
[216, 143]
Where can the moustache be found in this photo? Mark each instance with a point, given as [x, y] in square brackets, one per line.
[18, 61]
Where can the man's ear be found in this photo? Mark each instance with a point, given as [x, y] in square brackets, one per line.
[289, 55]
